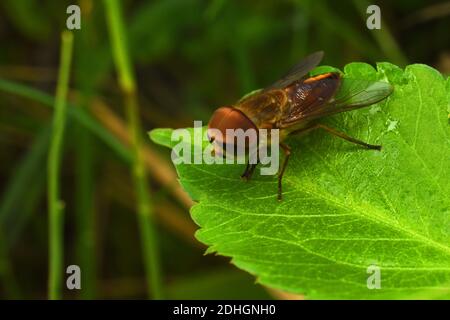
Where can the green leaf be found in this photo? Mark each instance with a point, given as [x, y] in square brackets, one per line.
[344, 208]
[448, 96]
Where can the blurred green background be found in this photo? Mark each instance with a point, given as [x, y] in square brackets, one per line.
[190, 57]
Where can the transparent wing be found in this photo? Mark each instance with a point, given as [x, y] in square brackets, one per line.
[352, 94]
[355, 93]
[298, 71]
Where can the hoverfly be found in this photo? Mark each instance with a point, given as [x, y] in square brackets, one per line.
[293, 105]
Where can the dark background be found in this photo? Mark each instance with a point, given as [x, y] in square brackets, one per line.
[189, 57]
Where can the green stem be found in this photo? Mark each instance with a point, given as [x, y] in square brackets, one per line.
[383, 37]
[24, 182]
[128, 85]
[301, 24]
[85, 179]
[55, 205]
[7, 277]
[240, 53]
[85, 212]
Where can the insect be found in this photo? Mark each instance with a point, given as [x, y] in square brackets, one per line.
[294, 104]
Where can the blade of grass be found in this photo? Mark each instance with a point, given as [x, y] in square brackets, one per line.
[84, 208]
[323, 16]
[383, 37]
[35, 195]
[27, 170]
[12, 206]
[243, 67]
[300, 30]
[128, 86]
[109, 128]
[161, 170]
[55, 205]
[79, 115]
[7, 276]
[85, 243]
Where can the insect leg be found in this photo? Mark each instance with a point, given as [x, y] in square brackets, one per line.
[248, 171]
[287, 153]
[338, 134]
[348, 138]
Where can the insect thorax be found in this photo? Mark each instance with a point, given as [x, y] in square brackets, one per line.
[264, 109]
